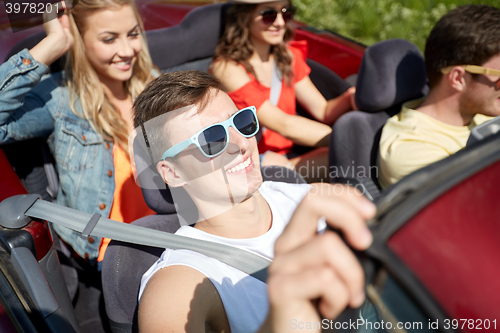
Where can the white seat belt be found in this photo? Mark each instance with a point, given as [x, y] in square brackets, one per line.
[274, 93]
[276, 83]
[95, 225]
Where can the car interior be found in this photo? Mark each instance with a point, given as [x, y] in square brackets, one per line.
[403, 267]
[121, 287]
[202, 26]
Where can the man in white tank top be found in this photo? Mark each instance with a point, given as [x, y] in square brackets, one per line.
[185, 291]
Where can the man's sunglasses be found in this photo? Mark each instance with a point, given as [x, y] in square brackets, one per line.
[213, 140]
[476, 70]
[269, 15]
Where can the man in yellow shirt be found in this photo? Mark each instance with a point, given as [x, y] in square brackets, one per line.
[463, 67]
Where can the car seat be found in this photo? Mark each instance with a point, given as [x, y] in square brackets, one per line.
[392, 72]
[124, 263]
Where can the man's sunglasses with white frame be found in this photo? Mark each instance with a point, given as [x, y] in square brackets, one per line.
[473, 69]
[213, 139]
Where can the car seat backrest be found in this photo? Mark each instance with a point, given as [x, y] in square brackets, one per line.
[191, 44]
[122, 270]
[329, 84]
[391, 73]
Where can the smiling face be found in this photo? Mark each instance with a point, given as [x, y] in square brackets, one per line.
[224, 180]
[273, 33]
[482, 95]
[112, 42]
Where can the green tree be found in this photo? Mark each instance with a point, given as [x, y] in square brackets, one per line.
[370, 21]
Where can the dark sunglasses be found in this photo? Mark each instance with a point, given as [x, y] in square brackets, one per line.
[213, 139]
[269, 15]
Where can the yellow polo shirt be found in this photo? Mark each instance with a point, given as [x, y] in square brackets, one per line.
[412, 140]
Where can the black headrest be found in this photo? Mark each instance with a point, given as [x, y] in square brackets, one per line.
[194, 38]
[392, 72]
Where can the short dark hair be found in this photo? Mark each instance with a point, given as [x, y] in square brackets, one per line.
[169, 92]
[467, 35]
[172, 91]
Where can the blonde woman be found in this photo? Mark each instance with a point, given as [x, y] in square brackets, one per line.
[257, 38]
[85, 111]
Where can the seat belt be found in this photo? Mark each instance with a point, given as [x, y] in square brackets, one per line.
[51, 174]
[95, 225]
[274, 94]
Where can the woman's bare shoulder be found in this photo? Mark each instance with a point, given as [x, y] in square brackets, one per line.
[232, 75]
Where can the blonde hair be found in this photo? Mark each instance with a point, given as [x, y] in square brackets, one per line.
[235, 44]
[83, 82]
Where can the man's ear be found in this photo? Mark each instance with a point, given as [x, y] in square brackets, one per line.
[169, 175]
[456, 78]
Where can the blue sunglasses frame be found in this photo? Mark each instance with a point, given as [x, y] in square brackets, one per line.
[176, 149]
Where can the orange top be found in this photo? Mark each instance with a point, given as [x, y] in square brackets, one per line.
[128, 202]
[254, 93]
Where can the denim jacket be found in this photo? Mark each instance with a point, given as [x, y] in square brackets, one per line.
[33, 104]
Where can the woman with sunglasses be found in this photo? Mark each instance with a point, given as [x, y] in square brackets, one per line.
[85, 111]
[255, 47]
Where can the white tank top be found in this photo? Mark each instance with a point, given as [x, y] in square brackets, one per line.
[244, 297]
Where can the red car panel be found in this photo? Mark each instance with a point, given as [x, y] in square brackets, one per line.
[156, 15]
[452, 246]
[340, 55]
[9, 183]
[41, 236]
[6, 325]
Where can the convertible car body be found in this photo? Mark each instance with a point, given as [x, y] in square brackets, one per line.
[433, 265]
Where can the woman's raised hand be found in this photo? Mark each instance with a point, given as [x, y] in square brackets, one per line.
[59, 30]
[58, 41]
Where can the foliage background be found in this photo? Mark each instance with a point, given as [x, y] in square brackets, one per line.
[370, 21]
